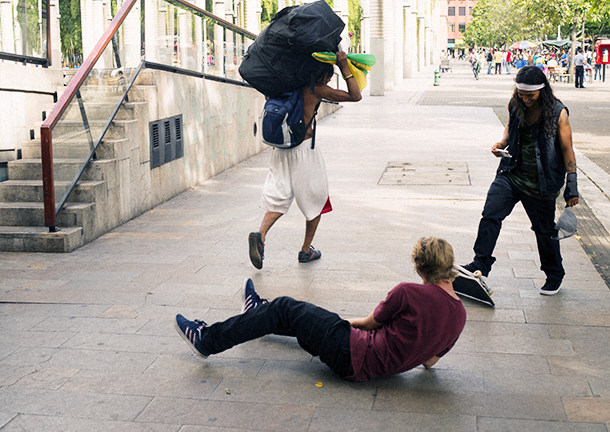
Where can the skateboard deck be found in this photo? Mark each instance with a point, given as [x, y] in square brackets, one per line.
[472, 285]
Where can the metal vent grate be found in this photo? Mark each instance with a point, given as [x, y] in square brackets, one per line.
[172, 147]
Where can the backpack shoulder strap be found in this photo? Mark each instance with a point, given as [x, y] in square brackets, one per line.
[313, 131]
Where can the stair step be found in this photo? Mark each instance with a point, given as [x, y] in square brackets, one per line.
[63, 169]
[32, 214]
[78, 149]
[39, 239]
[31, 190]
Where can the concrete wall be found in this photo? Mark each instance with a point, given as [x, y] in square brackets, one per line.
[20, 112]
[218, 132]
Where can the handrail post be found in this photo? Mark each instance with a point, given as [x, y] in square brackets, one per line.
[48, 183]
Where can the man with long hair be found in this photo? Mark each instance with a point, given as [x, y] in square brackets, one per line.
[536, 151]
[415, 325]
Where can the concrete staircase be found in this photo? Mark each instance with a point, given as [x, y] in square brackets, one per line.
[91, 210]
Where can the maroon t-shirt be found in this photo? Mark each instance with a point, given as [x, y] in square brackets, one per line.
[418, 323]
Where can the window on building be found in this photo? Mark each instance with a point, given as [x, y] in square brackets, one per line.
[470, 10]
[451, 27]
[462, 11]
[451, 11]
[462, 27]
[451, 41]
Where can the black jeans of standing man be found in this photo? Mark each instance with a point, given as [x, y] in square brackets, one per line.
[502, 197]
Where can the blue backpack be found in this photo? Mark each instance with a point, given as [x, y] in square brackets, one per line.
[283, 120]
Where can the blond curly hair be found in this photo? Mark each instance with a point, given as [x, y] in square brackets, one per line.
[433, 259]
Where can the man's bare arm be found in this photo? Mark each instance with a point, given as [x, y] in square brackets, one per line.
[428, 364]
[367, 323]
[353, 91]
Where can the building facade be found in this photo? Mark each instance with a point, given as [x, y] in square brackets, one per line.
[459, 15]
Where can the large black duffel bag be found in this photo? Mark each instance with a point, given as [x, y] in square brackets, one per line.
[279, 60]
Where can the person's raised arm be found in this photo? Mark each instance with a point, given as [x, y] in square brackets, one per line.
[367, 323]
[564, 132]
[353, 91]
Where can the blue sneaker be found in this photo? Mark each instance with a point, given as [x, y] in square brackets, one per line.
[251, 298]
[312, 255]
[191, 332]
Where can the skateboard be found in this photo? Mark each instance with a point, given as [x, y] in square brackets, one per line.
[472, 285]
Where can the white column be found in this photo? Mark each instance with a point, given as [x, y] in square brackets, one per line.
[388, 39]
[252, 11]
[410, 41]
[365, 24]
[219, 46]
[199, 37]
[151, 30]
[86, 17]
[7, 39]
[377, 85]
[53, 22]
[132, 38]
[399, 29]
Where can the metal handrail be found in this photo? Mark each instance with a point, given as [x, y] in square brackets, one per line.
[50, 210]
[46, 141]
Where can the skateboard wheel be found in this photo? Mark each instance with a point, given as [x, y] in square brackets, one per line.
[478, 273]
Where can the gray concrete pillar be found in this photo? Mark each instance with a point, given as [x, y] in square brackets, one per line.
[219, 46]
[410, 41]
[388, 38]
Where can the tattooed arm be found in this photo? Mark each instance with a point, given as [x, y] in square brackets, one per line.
[565, 140]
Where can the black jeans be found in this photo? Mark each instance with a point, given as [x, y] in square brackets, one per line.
[579, 76]
[502, 197]
[318, 331]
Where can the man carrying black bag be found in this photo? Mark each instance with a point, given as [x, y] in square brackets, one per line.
[300, 173]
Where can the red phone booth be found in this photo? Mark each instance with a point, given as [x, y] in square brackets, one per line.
[602, 50]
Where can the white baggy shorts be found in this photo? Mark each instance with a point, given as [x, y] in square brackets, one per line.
[298, 173]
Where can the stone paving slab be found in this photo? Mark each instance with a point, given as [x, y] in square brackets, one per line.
[87, 340]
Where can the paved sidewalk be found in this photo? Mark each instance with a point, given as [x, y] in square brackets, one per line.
[87, 340]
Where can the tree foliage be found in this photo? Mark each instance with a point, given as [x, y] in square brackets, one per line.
[354, 23]
[494, 23]
[269, 9]
[71, 36]
[499, 22]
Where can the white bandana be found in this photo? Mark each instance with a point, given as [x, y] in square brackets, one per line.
[530, 87]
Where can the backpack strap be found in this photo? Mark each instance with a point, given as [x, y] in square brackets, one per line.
[313, 131]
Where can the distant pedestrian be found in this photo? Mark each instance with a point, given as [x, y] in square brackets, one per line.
[579, 69]
[490, 62]
[597, 66]
[508, 60]
[538, 139]
[415, 325]
[498, 61]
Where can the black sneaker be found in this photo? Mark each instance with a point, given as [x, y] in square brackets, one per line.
[550, 287]
[251, 298]
[312, 255]
[257, 249]
[191, 332]
[473, 267]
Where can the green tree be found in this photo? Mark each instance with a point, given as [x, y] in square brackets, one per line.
[354, 23]
[269, 9]
[71, 36]
[494, 23]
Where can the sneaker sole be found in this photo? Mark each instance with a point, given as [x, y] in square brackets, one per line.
[179, 330]
[550, 293]
[255, 256]
[243, 295]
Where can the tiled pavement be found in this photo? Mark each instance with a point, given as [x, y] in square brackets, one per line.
[87, 341]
